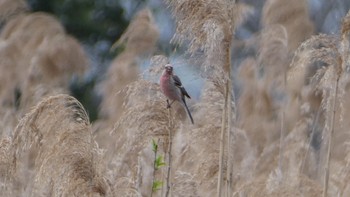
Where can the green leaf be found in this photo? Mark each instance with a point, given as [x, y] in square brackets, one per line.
[154, 146]
[157, 185]
[159, 162]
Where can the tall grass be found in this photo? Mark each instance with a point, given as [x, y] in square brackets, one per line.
[52, 152]
[138, 42]
[270, 123]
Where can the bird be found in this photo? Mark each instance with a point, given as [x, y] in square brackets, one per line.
[171, 87]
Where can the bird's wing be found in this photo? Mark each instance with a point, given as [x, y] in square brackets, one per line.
[178, 84]
[177, 81]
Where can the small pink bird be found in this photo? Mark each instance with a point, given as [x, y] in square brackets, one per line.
[172, 88]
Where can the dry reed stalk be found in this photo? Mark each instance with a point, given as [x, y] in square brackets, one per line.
[222, 141]
[257, 188]
[63, 157]
[122, 71]
[9, 77]
[326, 81]
[282, 132]
[141, 34]
[281, 145]
[329, 149]
[312, 136]
[12, 8]
[144, 118]
[320, 94]
[184, 185]
[56, 60]
[266, 179]
[273, 54]
[8, 122]
[39, 40]
[29, 31]
[208, 26]
[195, 150]
[169, 153]
[5, 168]
[293, 16]
[140, 40]
[273, 59]
[256, 104]
[343, 64]
[326, 54]
[309, 64]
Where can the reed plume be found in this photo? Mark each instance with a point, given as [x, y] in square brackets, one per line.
[42, 57]
[289, 82]
[53, 148]
[139, 41]
[256, 104]
[294, 16]
[12, 8]
[55, 62]
[196, 151]
[209, 27]
[274, 56]
[145, 118]
[122, 87]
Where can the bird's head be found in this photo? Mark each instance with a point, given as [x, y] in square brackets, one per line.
[169, 69]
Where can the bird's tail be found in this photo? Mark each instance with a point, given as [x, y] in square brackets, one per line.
[188, 111]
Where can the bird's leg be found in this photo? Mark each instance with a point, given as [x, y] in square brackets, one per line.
[169, 104]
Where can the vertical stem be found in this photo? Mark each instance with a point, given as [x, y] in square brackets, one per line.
[329, 151]
[92, 159]
[280, 160]
[154, 167]
[229, 126]
[313, 130]
[221, 156]
[168, 188]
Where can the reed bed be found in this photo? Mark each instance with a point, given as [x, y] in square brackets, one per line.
[272, 122]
